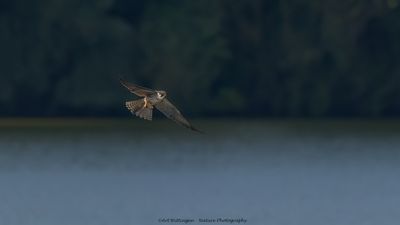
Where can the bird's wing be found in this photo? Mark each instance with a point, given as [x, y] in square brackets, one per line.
[136, 89]
[170, 111]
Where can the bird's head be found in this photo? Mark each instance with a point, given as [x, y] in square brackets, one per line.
[161, 94]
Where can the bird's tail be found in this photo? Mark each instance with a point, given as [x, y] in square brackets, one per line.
[145, 113]
[137, 107]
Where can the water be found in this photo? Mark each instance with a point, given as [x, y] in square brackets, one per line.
[264, 172]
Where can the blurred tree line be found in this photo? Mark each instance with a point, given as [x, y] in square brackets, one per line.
[214, 57]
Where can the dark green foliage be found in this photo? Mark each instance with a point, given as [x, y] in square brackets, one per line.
[214, 57]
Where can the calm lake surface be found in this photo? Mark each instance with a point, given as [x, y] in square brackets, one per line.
[116, 172]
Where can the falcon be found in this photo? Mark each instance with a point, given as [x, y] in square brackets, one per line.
[143, 107]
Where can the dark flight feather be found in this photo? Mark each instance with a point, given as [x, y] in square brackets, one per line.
[171, 112]
[136, 89]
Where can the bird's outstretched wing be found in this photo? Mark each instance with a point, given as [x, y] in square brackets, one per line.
[136, 89]
[170, 111]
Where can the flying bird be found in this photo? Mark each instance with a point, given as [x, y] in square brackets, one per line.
[143, 107]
